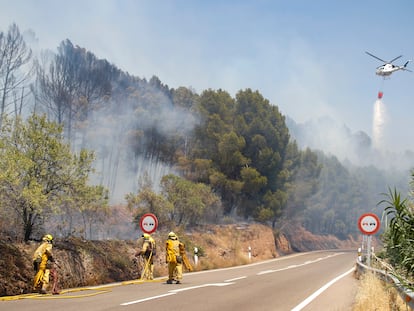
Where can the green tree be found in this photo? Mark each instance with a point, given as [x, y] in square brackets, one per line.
[146, 200]
[230, 156]
[191, 202]
[246, 142]
[268, 152]
[39, 174]
[180, 203]
[304, 181]
[216, 110]
[399, 236]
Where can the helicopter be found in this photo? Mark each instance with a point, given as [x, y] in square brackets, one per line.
[388, 68]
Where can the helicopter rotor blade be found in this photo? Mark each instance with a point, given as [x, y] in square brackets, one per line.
[395, 59]
[378, 57]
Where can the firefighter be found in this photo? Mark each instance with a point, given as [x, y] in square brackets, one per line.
[147, 251]
[42, 263]
[175, 258]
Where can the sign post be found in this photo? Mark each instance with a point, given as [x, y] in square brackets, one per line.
[148, 223]
[368, 224]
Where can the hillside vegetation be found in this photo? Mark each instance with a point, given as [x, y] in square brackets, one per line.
[97, 136]
[86, 149]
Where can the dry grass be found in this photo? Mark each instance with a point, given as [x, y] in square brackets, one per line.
[375, 295]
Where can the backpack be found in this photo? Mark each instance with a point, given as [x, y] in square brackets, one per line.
[151, 247]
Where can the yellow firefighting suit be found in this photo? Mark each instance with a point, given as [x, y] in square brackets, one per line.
[147, 252]
[175, 257]
[42, 261]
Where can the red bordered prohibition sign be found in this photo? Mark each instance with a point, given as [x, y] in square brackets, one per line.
[369, 223]
[148, 223]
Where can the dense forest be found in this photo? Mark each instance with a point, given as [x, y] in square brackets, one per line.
[87, 148]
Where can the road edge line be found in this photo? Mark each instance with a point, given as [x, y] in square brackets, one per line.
[320, 291]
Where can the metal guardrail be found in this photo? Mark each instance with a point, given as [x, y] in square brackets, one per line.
[406, 294]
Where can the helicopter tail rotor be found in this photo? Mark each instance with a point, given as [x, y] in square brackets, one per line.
[405, 65]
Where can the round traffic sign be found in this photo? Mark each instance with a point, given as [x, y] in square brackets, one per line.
[369, 223]
[148, 223]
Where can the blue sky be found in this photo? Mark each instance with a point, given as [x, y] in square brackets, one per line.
[306, 57]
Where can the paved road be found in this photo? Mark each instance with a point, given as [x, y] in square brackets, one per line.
[306, 281]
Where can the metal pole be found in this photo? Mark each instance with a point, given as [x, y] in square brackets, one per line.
[369, 239]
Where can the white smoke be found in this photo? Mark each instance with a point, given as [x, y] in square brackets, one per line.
[379, 125]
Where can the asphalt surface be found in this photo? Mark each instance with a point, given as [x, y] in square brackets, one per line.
[307, 281]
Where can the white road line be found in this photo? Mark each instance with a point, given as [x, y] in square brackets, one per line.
[236, 279]
[320, 291]
[146, 299]
[173, 292]
[198, 286]
[229, 282]
[265, 272]
[297, 266]
[278, 270]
